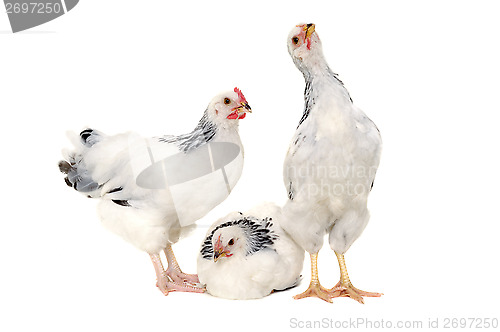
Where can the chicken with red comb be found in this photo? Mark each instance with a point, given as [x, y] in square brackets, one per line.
[237, 114]
[151, 191]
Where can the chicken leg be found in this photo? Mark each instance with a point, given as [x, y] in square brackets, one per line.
[344, 287]
[315, 289]
[164, 283]
[174, 271]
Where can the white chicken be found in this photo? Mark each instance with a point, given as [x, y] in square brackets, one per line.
[153, 190]
[330, 165]
[248, 256]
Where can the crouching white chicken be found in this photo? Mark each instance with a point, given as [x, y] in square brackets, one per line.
[153, 190]
[330, 166]
[248, 256]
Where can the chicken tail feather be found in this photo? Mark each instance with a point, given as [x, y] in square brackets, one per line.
[77, 175]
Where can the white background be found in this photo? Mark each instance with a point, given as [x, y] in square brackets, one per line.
[426, 72]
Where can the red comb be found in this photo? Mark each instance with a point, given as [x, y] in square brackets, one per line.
[240, 94]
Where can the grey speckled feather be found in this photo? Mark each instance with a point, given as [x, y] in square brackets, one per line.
[309, 99]
[203, 133]
[259, 233]
[309, 102]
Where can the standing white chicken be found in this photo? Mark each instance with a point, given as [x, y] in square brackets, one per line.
[152, 190]
[248, 256]
[330, 166]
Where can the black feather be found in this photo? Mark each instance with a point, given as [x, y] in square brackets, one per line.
[308, 92]
[78, 176]
[203, 133]
[121, 202]
[115, 190]
[290, 191]
[68, 182]
[259, 233]
[308, 99]
[85, 134]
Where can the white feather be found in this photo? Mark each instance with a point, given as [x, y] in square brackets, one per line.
[251, 276]
[332, 160]
[149, 218]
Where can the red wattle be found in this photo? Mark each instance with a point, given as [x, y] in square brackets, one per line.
[233, 115]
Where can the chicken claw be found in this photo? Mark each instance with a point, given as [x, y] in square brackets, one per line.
[350, 291]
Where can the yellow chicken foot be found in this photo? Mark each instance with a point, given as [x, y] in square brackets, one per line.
[315, 289]
[344, 287]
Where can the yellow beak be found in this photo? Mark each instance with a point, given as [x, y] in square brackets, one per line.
[309, 29]
[218, 254]
[244, 107]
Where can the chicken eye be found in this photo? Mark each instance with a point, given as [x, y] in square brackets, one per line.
[295, 40]
[231, 242]
[227, 101]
